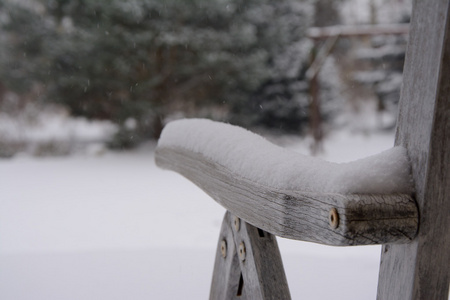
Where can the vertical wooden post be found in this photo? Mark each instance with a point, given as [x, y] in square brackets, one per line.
[421, 269]
[318, 58]
[314, 116]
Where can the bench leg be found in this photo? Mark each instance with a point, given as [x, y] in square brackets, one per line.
[248, 264]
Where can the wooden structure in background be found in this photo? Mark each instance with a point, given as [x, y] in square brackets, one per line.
[330, 36]
[415, 261]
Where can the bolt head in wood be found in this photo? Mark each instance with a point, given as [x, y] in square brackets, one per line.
[333, 218]
[223, 248]
[237, 223]
[242, 251]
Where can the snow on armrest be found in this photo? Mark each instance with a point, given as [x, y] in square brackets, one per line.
[250, 156]
[291, 195]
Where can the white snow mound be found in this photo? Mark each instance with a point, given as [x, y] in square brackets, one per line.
[252, 157]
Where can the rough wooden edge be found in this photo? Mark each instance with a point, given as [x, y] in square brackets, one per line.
[362, 219]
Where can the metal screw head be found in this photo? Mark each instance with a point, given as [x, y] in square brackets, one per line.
[237, 223]
[223, 248]
[242, 252]
[333, 218]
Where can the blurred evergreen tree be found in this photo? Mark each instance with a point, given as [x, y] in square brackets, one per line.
[137, 61]
[281, 101]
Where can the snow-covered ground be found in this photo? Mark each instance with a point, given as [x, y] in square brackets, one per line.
[117, 227]
[49, 131]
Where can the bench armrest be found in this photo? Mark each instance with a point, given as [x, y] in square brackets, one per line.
[292, 195]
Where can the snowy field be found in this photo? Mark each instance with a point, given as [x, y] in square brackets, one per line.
[117, 227]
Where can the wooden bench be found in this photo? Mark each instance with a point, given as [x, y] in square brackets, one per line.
[414, 229]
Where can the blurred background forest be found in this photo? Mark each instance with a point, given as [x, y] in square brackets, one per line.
[109, 72]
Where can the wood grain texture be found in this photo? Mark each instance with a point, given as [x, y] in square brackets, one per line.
[421, 269]
[262, 270]
[363, 219]
[227, 272]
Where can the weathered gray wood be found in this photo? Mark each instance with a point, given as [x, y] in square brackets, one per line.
[421, 269]
[261, 264]
[255, 272]
[227, 271]
[363, 219]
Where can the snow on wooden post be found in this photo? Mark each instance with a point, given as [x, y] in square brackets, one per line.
[421, 269]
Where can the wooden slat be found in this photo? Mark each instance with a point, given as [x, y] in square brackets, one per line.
[363, 219]
[421, 269]
[256, 273]
[227, 272]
